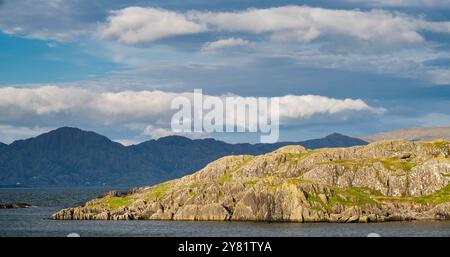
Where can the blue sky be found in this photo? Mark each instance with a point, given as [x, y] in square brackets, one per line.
[90, 64]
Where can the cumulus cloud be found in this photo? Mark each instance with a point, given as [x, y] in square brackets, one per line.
[137, 25]
[215, 46]
[40, 101]
[49, 105]
[107, 107]
[305, 106]
[302, 23]
[402, 3]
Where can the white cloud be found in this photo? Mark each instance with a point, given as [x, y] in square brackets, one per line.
[302, 23]
[52, 104]
[41, 100]
[402, 3]
[45, 20]
[440, 76]
[106, 107]
[305, 106]
[215, 46]
[137, 25]
[128, 142]
[374, 41]
[156, 132]
[9, 133]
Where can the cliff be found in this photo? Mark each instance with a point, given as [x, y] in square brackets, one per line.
[383, 181]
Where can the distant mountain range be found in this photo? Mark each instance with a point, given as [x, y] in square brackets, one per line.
[68, 157]
[412, 134]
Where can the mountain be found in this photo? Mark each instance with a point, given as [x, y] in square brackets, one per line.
[412, 134]
[333, 140]
[73, 157]
[383, 181]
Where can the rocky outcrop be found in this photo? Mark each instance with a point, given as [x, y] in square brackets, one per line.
[14, 205]
[384, 181]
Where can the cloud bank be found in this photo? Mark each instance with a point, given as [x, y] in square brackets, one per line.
[402, 3]
[138, 25]
[149, 111]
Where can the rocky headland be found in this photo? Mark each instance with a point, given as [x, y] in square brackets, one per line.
[383, 181]
[14, 205]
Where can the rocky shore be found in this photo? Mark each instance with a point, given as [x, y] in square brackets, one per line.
[383, 181]
[14, 205]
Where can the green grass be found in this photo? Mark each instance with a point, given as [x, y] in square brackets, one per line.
[337, 199]
[394, 164]
[294, 181]
[250, 183]
[225, 178]
[441, 196]
[338, 162]
[116, 202]
[361, 196]
[391, 164]
[312, 198]
[296, 157]
[439, 144]
[348, 197]
[157, 192]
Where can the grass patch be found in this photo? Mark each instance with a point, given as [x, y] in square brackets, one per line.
[361, 196]
[394, 164]
[225, 178]
[157, 192]
[296, 157]
[337, 199]
[441, 196]
[439, 144]
[338, 162]
[116, 202]
[294, 181]
[250, 183]
[313, 198]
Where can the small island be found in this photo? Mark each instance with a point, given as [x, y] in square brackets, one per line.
[383, 181]
[14, 205]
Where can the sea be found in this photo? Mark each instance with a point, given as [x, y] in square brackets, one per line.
[35, 221]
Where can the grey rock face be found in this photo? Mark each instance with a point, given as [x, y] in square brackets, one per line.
[384, 181]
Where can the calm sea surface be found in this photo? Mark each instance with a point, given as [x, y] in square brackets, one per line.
[34, 221]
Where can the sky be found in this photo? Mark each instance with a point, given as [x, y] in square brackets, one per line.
[348, 66]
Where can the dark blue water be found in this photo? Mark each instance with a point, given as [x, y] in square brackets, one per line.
[34, 221]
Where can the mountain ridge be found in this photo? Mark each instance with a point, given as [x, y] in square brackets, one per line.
[411, 134]
[73, 157]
